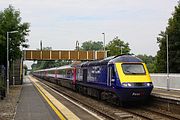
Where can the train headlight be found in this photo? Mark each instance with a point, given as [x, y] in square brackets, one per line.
[129, 84]
[126, 84]
[149, 84]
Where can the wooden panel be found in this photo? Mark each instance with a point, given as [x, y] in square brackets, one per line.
[27, 55]
[54, 55]
[74, 55]
[82, 55]
[36, 54]
[90, 55]
[100, 55]
[64, 55]
[46, 54]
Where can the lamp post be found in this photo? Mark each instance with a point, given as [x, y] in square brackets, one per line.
[77, 45]
[168, 84]
[8, 59]
[121, 50]
[105, 54]
[121, 46]
[104, 40]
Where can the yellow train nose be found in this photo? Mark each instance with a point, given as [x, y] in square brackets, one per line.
[132, 78]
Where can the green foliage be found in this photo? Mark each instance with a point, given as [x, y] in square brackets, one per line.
[1, 84]
[173, 32]
[43, 64]
[49, 64]
[92, 45]
[88, 45]
[150, 62]
[115, 46]
[10, 20]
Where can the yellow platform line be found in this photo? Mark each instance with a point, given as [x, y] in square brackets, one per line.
[55, 103]
[51, 105]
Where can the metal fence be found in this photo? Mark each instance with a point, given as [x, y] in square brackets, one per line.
[2, 73]
[2, 81]
[160, 81]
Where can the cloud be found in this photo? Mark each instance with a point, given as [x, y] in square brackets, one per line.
[59, 23]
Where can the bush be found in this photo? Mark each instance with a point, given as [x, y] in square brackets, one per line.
[2, 88]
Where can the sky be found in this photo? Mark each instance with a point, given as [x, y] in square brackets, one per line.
[60, 23]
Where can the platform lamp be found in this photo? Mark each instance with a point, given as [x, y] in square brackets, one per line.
[10, 32]
[104, 44]
[168, 82]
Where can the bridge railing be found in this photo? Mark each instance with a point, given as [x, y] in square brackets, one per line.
[63, 55]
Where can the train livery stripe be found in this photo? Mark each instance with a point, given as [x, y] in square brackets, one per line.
[59, 106]
[132, 78]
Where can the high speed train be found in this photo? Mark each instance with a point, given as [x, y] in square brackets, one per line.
[120, 78]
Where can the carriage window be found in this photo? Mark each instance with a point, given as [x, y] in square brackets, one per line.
[133, 68]
[69, 73]
[113, 73]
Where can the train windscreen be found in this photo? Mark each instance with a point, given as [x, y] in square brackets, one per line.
[131, 68]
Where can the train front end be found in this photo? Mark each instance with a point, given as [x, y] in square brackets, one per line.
[133, 80]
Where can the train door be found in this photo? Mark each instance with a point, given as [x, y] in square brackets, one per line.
[85, 75]
[55, 72]
[111, 75]
[74, 76]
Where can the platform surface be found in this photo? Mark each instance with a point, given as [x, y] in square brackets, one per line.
[164, 93]
[32, 106]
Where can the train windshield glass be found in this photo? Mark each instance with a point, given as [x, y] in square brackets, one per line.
[129, 68]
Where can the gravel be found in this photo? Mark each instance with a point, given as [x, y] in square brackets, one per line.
[9, 104]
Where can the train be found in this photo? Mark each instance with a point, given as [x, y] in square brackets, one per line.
[123, 78]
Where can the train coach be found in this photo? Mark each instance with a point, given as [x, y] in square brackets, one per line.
[118, 78]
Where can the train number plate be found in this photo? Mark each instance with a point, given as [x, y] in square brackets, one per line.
[136, 94]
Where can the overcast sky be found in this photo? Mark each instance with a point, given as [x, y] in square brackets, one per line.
[59, 23]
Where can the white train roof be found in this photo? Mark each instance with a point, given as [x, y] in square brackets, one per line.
[55, 68]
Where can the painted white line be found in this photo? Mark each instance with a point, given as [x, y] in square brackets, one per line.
[80, 106]
[55, 103]
[165, 96]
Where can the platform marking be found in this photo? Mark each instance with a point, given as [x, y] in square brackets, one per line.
[166, 96]
[52, 106]
[65, 111]
[80, 106]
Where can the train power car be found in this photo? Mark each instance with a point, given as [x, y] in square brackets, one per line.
[119, 78]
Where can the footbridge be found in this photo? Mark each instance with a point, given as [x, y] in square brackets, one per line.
[63, 55]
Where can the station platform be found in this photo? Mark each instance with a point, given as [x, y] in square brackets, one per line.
[32, 106]
[166, 94]
[38, 102]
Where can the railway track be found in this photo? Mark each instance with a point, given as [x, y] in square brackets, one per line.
[101, 109]
[163, 113]
[112, 112]
[152, 114]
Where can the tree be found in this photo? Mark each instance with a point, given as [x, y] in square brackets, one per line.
[92, 45]
[43, 64]
[173, 32]
[150, 62]
[10, 20]
[115, 46]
